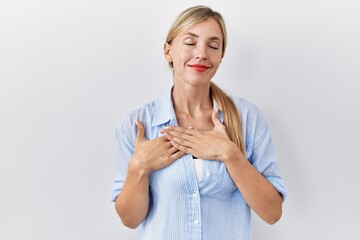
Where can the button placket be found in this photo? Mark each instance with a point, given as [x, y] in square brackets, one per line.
[193, 199]
[196, 214]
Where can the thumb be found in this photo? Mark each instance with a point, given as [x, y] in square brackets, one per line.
[215, 117]
[140, 131]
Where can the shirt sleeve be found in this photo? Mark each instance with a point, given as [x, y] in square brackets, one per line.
[125, 139]
[263, 156]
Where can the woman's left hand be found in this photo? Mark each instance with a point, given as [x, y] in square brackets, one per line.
[212, 144]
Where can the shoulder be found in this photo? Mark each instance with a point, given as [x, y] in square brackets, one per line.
[246, 108]
[143, 114]
[252, 119]
[255, 129]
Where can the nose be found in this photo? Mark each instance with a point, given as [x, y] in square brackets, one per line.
[201, 52]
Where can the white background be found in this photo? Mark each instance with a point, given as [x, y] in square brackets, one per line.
[70, 70]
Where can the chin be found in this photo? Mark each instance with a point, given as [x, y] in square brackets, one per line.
[199, 83]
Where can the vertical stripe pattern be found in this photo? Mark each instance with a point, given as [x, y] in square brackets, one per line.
[180, 206]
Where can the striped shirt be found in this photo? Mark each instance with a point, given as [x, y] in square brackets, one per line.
[181, 207]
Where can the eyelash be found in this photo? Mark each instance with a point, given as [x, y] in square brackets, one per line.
[193, 44]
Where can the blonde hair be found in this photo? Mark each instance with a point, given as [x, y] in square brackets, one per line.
[231, 116]
[193, 16]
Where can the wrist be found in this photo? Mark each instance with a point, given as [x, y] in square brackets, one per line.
[232, 153]
[137, 168]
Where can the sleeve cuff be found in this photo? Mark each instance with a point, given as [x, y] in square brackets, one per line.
[118, 185]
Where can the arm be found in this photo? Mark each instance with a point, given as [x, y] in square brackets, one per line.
[132, 203]
[258, 192]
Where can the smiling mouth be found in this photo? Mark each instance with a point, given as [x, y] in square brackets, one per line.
[199, 67]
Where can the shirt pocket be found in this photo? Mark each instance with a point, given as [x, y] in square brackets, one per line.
[217, 183]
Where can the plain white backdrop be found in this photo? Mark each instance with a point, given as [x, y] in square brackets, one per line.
[70, 70]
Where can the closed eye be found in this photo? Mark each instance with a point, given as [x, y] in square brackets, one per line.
[213, 47]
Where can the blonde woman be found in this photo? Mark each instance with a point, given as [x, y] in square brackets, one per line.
[192, 164]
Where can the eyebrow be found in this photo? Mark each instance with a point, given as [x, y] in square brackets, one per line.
[197, 36]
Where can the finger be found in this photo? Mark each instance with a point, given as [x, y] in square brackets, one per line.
[182, 148]
[188, 130]
[172, 150]
[177, 155]
[163, 139]
[180, 131]
[178, 136]
[215, 117]
[140, 131]
[168, 144]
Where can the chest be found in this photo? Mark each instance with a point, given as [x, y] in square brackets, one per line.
[180, 179]
[202, 121]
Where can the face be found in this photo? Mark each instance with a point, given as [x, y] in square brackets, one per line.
[196, 53]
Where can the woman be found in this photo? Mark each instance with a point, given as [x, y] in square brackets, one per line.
[192, 164]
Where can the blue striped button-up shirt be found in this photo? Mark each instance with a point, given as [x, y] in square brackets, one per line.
[181, 208]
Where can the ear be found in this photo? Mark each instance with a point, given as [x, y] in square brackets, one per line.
[167, 52]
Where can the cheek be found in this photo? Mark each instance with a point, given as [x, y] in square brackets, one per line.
[181, 57]
[217, 57]
[185, 55]
[216, 62]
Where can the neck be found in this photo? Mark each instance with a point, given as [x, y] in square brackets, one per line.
[190, 100]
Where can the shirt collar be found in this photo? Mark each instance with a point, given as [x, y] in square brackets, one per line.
[164, 110]
[220, 116]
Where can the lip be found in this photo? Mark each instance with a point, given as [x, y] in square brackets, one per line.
[199, 67]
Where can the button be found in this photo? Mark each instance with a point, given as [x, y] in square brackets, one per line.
[194, 195]
[208, 174]
[196, 221]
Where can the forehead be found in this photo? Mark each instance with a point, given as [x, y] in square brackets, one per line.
[210, 28]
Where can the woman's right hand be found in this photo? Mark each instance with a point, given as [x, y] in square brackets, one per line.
[150, 155]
